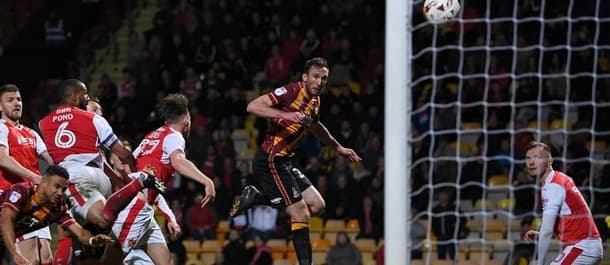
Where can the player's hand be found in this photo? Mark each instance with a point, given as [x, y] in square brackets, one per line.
[531, 234]
[36, 179]
[173, 228]
[21, 260]
[294, 117]
[210, 194]
[101, 239]
[350, 153]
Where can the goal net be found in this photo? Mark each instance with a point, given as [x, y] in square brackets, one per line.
[500, 75]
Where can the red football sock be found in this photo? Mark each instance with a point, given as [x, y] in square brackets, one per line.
[63, 254]
[118, 200]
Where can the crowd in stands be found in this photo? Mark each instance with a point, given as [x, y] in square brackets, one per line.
[220, 53]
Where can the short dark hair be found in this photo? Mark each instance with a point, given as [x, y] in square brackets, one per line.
[8, 88]
[317, 62]
[55, 170]
[534, 144]
[68, 87]
[173, 107]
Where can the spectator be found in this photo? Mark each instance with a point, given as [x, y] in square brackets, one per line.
[344, 252]
[202, 221]
[260, 253]
[233, 252]
[448, 225]
[262, 221]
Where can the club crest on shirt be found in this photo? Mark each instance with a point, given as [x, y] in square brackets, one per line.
[280, 91]
[15, 196]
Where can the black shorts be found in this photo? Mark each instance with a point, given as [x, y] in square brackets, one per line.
[278, 179]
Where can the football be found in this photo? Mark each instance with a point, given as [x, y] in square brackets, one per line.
[441, 11]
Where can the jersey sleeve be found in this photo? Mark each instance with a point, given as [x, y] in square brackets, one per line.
[283, 95]
[41, 147]
[3, 135]
[66, 220]
[164, 209]
[105, 133]
[16, 198]
[173, 142]
[553, 196]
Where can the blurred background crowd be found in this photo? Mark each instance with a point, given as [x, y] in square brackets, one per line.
[223, 53]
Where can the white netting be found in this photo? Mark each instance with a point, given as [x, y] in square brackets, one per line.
[502, 74]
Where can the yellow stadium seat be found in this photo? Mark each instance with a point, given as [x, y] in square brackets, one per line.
[320, 244]
[487, 204]
[316, 224]
[192, 246]
[334, 225]
[497, 180]
[471, 125]
[544, 125]
[319, 257]
[282, 262]
[366, 245]
[599, 145]
[331, 237]
[279, 245]
[507, 204]
[559, 124]
[608, 221]
[211, 246]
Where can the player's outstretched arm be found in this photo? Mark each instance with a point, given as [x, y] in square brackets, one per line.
[186, 168]
[321, 132]
[86, 238]
[262, 107]
[7, 229]
[9, 163]
[172, 223]
[125, 155]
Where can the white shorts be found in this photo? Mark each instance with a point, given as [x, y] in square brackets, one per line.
[42, 233]
[585, 252]
[88, 185]
[135, 227]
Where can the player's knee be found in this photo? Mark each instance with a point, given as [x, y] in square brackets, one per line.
[317, 208]
[298, 212]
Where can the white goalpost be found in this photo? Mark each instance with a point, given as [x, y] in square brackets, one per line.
[397, 109]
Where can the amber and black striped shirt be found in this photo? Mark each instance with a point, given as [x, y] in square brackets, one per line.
[282, 135]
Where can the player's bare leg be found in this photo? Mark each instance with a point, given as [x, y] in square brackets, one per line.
[36, 250]
[314, 200]
[299, 218]
[159, 253]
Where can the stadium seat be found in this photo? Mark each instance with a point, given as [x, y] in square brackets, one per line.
[316, 224]
[319, 257]
[366, 245]
[334, 225]
[608, 221]
[481, 204]
[559, 123]
[221, 230]
[192, 246]
[331, 237]
[315, 235]
[282, 262]
[209, 258]
[506, 204]
[320, 245]
[599, 145]
[471, 125]
[353, 225]
[497, 180]
[211, 246]
[277, 245]
[544, 125]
